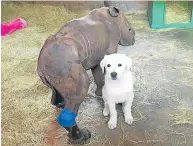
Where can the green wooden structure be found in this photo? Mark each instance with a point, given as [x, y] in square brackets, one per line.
[157, 15]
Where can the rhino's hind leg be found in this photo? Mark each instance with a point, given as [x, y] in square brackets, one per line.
[73, 90]
[98, 78]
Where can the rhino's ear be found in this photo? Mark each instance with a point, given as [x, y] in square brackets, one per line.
[113, 11]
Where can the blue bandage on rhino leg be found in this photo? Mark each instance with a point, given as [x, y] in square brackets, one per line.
[66, 118]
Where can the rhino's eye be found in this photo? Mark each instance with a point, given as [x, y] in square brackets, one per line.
[129, 29]
[108, 65]
[119, 65]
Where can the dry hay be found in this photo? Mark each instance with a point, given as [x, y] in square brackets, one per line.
[138, 20]
[184, 115]
[176, 13]
[45, 17]
[27, 115]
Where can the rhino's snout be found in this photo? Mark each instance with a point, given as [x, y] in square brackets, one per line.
[128, 42]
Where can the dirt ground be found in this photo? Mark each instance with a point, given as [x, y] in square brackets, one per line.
[163, 103]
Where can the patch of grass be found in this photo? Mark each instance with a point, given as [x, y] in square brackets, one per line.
[184, 115]
[138, 20]
[45, 17]
[27, 114]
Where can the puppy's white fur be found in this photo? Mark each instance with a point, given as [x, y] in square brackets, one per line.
[119, 89]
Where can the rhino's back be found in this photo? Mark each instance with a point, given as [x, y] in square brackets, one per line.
[91, 37]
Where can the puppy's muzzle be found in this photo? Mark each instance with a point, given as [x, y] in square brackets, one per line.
[114, 75]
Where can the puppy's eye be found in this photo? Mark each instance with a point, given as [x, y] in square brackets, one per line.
[129, 29]
[108, 65]
[119, 65]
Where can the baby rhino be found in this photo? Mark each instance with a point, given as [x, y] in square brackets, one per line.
[78, 46]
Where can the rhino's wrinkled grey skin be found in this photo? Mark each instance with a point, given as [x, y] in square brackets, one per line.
[78, 46]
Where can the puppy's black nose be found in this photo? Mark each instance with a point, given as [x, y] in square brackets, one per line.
[113, 74]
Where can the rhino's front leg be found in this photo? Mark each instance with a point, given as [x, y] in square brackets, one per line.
[112, 48]
[98, 78]
[97, 71]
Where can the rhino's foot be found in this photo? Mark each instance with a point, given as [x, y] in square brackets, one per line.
[83, 138]
[98, 92]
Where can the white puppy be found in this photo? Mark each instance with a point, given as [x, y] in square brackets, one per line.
[118, 87]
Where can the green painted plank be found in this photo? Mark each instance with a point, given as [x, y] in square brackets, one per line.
[192, 17]
[173, 25]
[157, 13]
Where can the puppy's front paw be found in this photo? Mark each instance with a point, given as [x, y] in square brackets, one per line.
[129, 119]
[112, 124]
[105, 111]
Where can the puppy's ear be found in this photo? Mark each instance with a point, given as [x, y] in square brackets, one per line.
[128, 63]
[103, 63]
